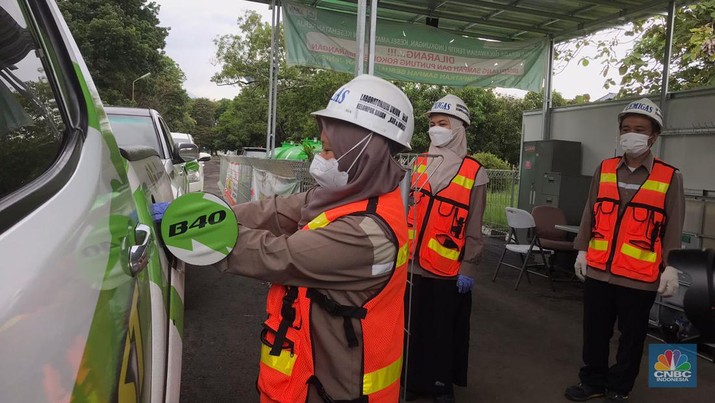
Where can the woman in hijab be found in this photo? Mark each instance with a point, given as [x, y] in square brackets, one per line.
[336, 256]
[449, 190]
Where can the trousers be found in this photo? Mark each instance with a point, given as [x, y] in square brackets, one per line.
[605, 304]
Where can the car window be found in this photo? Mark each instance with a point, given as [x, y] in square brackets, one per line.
[135, 131]
[167, 136]
[31, 125]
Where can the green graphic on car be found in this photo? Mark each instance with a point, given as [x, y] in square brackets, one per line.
[199, 228]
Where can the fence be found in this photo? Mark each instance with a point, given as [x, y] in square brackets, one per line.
[242, 179]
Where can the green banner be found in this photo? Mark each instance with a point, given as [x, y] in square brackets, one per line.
[411, 52]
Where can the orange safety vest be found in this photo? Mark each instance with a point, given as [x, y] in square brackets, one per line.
[438, 221]
[287, 368]
[629, 242]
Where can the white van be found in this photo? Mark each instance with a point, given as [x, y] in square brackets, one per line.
[91, 307]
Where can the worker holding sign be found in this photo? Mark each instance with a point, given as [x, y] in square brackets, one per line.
[336, 257]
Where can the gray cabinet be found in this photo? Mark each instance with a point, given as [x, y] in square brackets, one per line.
[567, 192]
[551, 175]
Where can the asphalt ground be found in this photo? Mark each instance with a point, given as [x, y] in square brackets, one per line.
[525, 345]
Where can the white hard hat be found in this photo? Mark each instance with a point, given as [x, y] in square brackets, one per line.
[644, 107]
[374, 104]
[451, 105]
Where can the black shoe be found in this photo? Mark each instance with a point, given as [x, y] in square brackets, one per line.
[446, 398]
[583, 392]
[612, 396]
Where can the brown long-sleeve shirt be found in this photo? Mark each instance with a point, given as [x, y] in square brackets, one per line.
[628, 184]
[349, 260]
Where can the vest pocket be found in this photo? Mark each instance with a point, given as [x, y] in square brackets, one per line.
[604, 217]
[636, 262]
[277, 371]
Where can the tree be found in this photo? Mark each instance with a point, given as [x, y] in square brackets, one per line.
[692, 62]
[203, 112]
[120, 40]
[245, 61]
[165, 93]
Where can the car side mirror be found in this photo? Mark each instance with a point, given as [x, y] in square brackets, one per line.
[188, 152]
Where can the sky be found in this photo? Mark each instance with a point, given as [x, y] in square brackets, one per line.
[195, 24]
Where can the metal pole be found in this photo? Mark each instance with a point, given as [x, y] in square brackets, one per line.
[668, 53]
[373, 31]
[138, 78]
[666, 67]
[269, 128]
[546, 135]
[360, 37]
[274, 113]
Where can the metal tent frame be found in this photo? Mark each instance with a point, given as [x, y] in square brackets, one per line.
[502, 20]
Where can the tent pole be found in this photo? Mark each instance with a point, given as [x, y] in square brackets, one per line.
[373, 32]
[666, 70]
[360, 37]
[274, 112]
[668, 53]
[269, 128]
[548, 84]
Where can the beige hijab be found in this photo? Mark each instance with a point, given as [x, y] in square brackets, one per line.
[374, 173]
[441, 171]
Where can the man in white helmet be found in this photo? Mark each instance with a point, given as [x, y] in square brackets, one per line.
[446, 241]
[632, 220]
[336, 257]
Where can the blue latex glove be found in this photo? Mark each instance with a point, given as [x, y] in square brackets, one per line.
[157, 210]
[464, 284]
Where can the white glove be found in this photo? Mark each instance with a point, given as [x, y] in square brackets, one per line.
[669, 282]
[580, 265]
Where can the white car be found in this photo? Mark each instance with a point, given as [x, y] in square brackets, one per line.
[91, 307]
[194, 172]
[134, 127]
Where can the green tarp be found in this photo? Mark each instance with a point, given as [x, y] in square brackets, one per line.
[412, 52]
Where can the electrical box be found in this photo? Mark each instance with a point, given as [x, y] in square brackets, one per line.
[551, 175]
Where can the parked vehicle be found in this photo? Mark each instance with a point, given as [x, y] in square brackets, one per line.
[194, 176]
[135, 127]
[254, 152]
[91, 307]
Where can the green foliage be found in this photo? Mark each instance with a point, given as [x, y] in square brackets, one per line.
[491, 161]
[245, 60]
[120, 40]
[203, 112]
[692, 63]
[166, 94]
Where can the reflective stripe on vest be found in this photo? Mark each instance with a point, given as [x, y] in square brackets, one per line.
[287, 380]
[440, 251]
[378, 380]
[629, 244]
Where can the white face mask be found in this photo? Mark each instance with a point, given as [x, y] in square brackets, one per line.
[440, 136]
[326, 172]
[634, 144]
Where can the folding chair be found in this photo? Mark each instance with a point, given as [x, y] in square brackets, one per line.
[518, 219]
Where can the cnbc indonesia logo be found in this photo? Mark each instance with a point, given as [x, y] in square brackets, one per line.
[672, 367]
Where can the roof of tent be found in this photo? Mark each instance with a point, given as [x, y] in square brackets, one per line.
[508, 20]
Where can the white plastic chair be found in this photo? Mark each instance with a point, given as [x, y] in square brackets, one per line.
[518, 219]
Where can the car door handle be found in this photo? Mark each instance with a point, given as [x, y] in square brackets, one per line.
[139, 254]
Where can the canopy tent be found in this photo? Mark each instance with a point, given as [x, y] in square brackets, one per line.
[501, 20]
